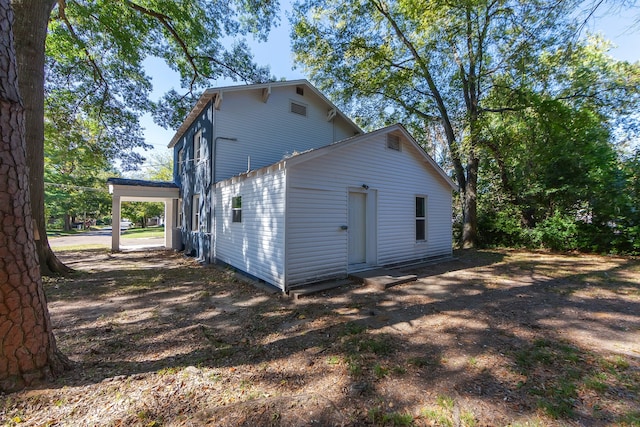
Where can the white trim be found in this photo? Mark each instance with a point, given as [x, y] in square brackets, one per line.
[266, 93]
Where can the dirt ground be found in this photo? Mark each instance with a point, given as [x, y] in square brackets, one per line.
[492, 338]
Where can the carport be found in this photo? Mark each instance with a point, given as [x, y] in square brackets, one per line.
[136, 190]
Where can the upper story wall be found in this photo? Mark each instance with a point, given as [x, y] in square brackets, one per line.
[192, 172]
[265, 132]
[187, 167]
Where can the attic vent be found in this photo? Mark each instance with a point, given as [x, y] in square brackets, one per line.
[299, 109]
[300, 90]
[393, 142]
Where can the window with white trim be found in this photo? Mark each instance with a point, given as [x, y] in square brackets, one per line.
[197, 147]
[180, 214]
[236, 209]
[421, 218]
[195, 213]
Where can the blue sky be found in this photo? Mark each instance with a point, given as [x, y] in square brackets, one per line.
[617, 26]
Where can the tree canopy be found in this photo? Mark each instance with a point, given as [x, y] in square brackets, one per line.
[507, 85]
[95, 54]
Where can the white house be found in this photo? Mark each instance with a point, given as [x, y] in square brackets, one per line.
[275, 181]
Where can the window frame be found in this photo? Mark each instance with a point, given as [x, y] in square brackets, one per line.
[300, 105]
[180, 161]
[420, 219]
[197, 147]
[236, 209]
[392, 140]
[195, 212]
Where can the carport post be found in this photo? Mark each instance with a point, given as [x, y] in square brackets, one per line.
[169, 209]
[115, 223]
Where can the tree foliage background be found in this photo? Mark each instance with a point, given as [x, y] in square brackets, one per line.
[97, 89]
[532, 120]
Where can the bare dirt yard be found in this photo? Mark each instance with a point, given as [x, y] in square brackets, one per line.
[491, 338]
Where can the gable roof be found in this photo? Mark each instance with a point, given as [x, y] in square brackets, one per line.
[217, 93]
[396, 128]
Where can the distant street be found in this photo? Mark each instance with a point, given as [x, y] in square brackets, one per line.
[103, 238]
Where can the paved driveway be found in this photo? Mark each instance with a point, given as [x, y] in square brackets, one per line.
[103, 238]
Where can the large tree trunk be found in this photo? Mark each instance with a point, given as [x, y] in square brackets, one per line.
[27, 347]
[30, 31]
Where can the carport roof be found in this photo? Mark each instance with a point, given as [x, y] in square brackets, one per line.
[141, 183]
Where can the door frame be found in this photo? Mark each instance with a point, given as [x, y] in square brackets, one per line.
[371, 229]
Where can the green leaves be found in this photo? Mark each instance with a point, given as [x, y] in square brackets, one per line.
[95, 53]
[504, 83]
[97, 90]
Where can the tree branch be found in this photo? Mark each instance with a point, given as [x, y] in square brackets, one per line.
[448, 128]
[166, 22]
[97, 72]
[410, 107]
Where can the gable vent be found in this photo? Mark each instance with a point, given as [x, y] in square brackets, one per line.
[299, 109]
[300, 90]
[393, 142]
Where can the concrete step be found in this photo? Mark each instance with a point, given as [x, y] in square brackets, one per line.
[314, 288]
[382, 278]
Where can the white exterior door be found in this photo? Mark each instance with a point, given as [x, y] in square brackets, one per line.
[357, 228]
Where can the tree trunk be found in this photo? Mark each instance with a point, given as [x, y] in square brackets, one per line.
[27, 346]
[67, 222]
[30, 31]
[470, 205]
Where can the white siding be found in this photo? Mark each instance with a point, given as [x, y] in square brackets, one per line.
[316, 245]
[255, 245]
[317, 207]
[267, 132]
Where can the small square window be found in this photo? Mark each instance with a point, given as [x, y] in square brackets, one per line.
[236, 209]
[300, 90]
[393, 142]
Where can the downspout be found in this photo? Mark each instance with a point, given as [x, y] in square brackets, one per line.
[212, 190]
[213, 147]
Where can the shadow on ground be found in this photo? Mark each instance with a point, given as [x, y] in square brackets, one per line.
[491, 338]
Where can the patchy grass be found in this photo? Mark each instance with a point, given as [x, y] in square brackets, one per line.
[378, 416]
[557, 373]
[494, 338]
[444, 413]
